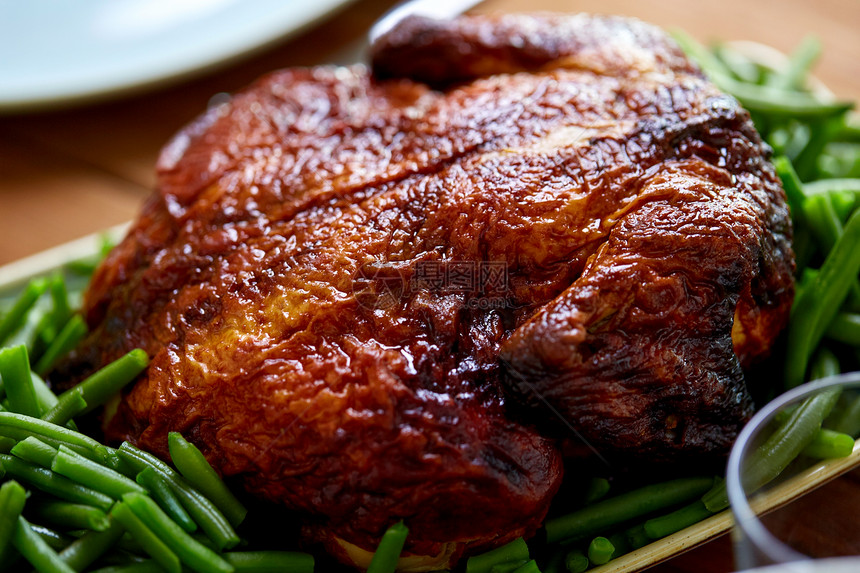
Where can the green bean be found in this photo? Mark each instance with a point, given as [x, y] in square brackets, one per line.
[793, 187]
[44, 395]
[42, 335]
[53, 483]
[18, 434]
[15, 370]
[6, 445]
[775, 101]
[608, 513]
[93, 475]
[52, 322]
[159, 489]
[804, 248]
[658, 527]
[740, 66]
[844, 202]
[204, 512]
[821, 216]
[69, 515]
[576, 561]
[794, 75]
[636, 536]
[506, 567]
[769, 459]
[66, 409]
[823, 186]
[148, 566]
[805, 281]
[824, 365]
[597, 489]
[12, 499]
[781, 102]
[805, 139]
[190, 551]
[9, 558]
[52, 537]
[827, 444]
[619, 541]
[514, 552]
[35, 550]
[72, 332]
[839, 160]
[527, 567]
[34, 450]
[192, 464]
[270, 561]
[114, 462]
[787, 139]
[816, 306]
[845, 327]
[62, 308]
[19, 426]
[108, 380]
[850, 130]
[388, 551]
[709, 62]
[87, 549]
[13, 320]
[847, 420]
[128, 547]
[151, 543]
[136, 460]
[600, 550]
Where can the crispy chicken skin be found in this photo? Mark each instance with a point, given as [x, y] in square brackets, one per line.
[351, 281]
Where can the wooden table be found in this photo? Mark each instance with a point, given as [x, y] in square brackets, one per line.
[67, 173]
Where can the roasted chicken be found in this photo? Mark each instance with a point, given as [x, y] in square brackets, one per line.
[386, 293]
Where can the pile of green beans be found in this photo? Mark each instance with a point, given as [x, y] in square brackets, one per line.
[512, 557]
[68, 503]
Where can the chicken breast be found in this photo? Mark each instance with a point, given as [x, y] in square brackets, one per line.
[360, 287]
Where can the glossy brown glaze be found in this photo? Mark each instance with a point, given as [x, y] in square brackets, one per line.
[350, 283]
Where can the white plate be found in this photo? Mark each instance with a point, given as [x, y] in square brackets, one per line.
[54, 52]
